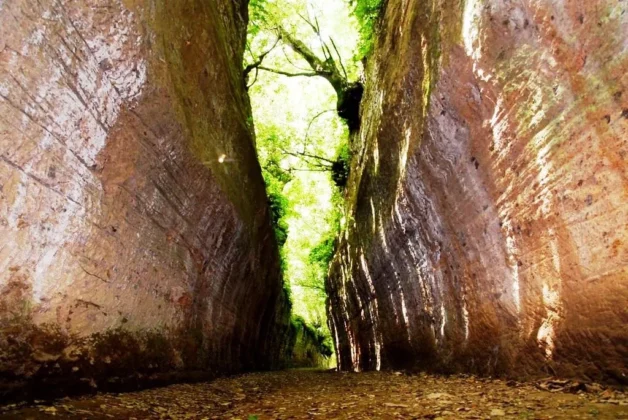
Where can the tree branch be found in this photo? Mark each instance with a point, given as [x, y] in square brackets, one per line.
[300, 48]
[308, 22]
[310, 170]
[283, 50]
[317, 29]
[285, 73]
[313, 287]
[260, 59]
[344, 70]
[307, 132]
[324, 68]
[307, 155]
[254, 80]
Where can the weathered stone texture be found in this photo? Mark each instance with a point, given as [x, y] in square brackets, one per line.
[489, 195]
[308, 346]
[126, 248]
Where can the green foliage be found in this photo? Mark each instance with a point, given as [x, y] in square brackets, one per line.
[258, 15]
[278, 204]
[367, 12]
[344, 153]
[315, 333]
[295, 116]
[340, 167]
[276, 180]
[287, 291]
[322, 253]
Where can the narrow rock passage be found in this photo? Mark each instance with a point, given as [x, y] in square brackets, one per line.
[308, 394]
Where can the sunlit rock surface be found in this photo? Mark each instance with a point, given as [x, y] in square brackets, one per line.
[489, 193]
[127, 250]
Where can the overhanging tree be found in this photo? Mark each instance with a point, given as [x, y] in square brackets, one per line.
[328, 65]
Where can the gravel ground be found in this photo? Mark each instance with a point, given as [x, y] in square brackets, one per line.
[310, 394]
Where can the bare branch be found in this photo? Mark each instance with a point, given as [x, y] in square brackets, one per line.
[344, 70]
[308, 22]
[307, 155]
[315, 164]
[312, 286]
[285, 73]
[290, 61]
[328, 55]
[254, 80]
[248, 48]
[324, 46]
[307, 132]
[318, 26]
[310, 170]
[300, 48]
[260, 59]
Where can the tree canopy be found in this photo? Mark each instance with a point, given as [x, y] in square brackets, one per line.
[301, 67]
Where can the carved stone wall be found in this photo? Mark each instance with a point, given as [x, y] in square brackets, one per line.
[489, 195]
[127, 249]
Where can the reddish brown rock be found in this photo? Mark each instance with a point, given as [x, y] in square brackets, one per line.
[488, 215]
[127, 250]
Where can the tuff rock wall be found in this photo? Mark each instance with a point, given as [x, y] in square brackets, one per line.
[488, 199]
[309, 347]
[128, 252]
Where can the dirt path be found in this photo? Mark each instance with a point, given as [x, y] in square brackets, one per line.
[310, 394]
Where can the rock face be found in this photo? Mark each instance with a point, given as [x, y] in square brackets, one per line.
[489, 193]
[134, 233]
[309, 349]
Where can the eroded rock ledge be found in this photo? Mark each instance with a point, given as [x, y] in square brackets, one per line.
[489, 194]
